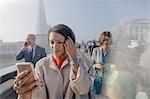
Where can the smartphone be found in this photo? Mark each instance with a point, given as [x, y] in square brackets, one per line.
[25, 66]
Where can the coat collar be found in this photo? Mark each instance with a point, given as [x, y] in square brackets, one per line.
[53, 65]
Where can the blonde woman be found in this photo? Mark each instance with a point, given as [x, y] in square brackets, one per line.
[100, 57]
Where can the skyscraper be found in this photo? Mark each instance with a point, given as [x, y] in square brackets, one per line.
[42, 27]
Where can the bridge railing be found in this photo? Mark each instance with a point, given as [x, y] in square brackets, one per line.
[7, 76]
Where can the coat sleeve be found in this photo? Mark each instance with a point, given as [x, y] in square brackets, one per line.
[20, 55]
[97, 56]
[81, 84]
[40, 92]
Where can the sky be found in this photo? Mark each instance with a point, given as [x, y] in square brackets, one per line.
[87, 18]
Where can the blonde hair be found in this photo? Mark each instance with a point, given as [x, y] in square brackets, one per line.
[103, 35]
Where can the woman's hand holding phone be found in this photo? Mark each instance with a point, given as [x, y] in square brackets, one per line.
[25, 81]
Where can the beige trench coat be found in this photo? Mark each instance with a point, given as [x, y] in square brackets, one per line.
[58, 83]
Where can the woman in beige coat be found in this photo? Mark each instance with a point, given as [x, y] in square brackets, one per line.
[61, 75]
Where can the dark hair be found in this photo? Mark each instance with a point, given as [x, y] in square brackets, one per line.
[63, 30]
[103, 34]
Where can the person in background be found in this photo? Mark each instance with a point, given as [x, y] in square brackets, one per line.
[31, 52]
[100, 57]
[62, 74]
[101, 54]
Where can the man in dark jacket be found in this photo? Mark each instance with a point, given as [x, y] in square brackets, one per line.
[31, 52]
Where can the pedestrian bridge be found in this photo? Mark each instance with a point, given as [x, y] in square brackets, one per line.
[127, 84]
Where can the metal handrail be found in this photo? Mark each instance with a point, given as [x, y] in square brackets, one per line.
[7, 73]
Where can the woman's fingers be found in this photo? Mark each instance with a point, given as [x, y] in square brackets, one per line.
[69, 43]
[25, 82]
[27, 88]
[16, 86]
[99, 65]
[70, 48]
[27, 79]
[21, 75]
[30, 91]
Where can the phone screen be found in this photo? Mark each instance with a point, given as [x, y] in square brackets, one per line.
[24, 66]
